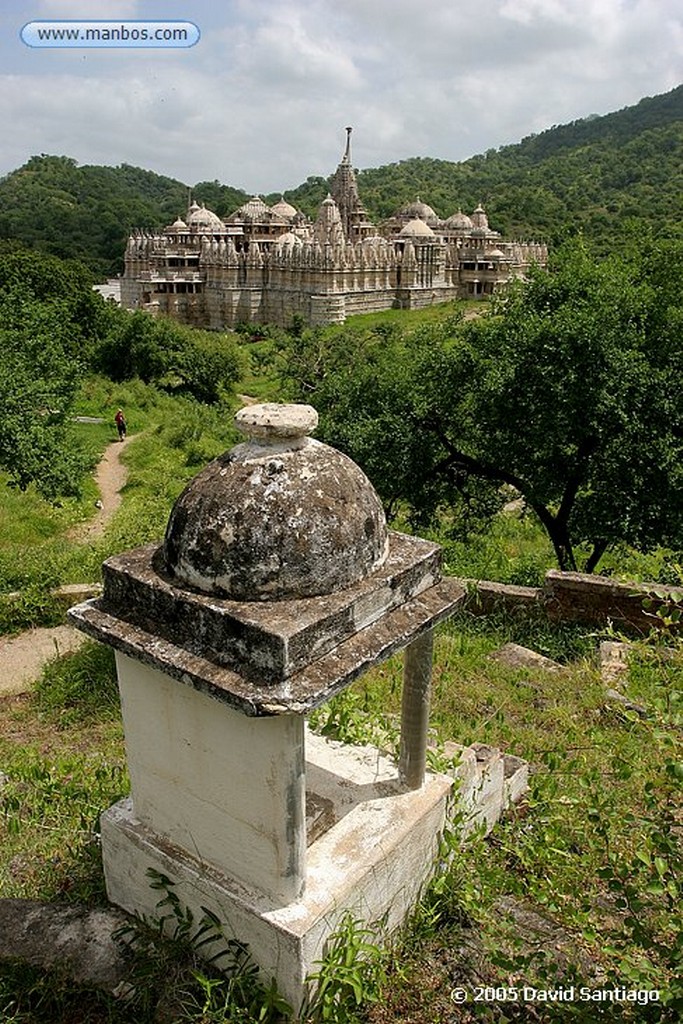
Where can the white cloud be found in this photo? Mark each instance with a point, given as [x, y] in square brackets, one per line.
[77, 9]
[262, 100]
[288, 49]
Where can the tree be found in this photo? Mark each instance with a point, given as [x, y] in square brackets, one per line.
[50, 319]
[39, 378]
[571, 392]
[161, 351]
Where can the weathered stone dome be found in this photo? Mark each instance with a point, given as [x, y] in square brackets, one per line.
[254, 210]
[281, 516]
[419, 210]
[177, 225]
[459, 222]
[284, 209]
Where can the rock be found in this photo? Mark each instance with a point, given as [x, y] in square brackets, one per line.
[530, 930]
[515, 656]
[613, 660]
[618, 698]
[520, 930]
[78, 939]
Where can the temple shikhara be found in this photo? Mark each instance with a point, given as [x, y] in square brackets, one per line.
[264, 264]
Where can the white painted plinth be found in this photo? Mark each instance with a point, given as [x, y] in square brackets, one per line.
[227, 788]
[372, 863]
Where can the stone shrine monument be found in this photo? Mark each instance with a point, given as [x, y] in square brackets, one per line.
[277, 585]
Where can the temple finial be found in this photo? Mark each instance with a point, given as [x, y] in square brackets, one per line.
[347, 151]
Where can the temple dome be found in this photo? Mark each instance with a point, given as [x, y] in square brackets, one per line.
[281, 516]
[416, 229]
[177, 225]
[419, 210]
[459, 222]
[253, 209]
[200, 217]
[284, 209]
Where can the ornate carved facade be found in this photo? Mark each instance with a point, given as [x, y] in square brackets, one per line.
[266, 264]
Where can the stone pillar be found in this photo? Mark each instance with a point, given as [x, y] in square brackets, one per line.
[276, 586]
[417, 683]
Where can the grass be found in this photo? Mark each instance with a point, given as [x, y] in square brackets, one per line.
[592, 846]
[412, 318]
[174, 438]
[28, 518]
[61, 750]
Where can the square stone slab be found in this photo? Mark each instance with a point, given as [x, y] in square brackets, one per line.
[265, 641]
[301, 692]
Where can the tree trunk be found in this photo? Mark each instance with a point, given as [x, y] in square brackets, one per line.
[599, 548]
[561, 541]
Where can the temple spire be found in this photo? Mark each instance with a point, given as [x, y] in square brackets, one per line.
[344, 191]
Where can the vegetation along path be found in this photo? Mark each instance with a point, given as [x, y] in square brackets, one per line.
[22, 657]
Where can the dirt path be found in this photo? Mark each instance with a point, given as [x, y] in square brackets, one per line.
[110, 476]
[22, 657]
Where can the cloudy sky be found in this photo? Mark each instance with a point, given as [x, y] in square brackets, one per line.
[261, 101]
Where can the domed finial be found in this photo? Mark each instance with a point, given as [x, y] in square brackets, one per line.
[272, 423]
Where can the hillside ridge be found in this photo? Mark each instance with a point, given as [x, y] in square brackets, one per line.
[610, 177]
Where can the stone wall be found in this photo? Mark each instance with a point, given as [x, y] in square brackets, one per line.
[572, 597]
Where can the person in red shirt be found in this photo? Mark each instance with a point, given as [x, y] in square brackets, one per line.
[120, 421]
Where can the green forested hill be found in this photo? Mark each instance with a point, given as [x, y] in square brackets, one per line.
[607, 176]
[610, 177]
[87, 212]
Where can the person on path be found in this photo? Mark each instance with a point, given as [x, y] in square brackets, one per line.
[120, 421]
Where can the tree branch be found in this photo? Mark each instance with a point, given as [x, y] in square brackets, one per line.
[583, 454]
[599, 548]
[554, 527]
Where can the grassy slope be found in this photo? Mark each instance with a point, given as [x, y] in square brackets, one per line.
[175, 437]
[62, 751]
[63, 754]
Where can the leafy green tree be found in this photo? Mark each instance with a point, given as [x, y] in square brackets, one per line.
[208, 365]
[571, 393]
[161, 351]
[39, 378]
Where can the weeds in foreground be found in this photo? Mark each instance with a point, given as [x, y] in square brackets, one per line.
[594, 848]
[351, 975]
[188, 969]
[79, 687]
[63, 763]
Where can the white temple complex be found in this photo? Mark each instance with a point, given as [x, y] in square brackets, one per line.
[265, 264]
